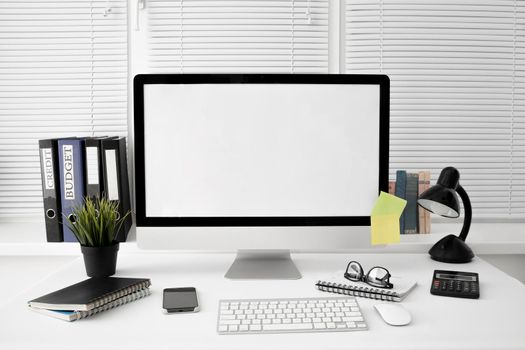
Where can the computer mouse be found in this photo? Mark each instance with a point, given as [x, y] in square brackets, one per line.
[393, 314]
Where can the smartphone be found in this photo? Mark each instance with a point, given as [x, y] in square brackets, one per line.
[180, 300]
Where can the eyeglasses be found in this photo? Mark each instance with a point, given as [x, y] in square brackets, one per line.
[377, 276]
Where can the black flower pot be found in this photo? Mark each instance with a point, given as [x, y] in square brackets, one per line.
[100, 261]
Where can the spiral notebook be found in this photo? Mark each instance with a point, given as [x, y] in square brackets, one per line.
[90, 294]
[77, 315]
[341, 285]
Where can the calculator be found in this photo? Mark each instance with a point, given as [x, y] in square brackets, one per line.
[455, 284]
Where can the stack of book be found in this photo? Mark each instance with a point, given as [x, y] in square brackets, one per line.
[75, 168]
[90, 297]
[409, 186]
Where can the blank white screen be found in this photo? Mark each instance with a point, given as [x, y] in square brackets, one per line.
[229, 150]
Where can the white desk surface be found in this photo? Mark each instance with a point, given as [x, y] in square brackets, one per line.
[495, 321]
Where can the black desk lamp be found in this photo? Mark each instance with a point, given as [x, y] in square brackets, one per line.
[442, 199]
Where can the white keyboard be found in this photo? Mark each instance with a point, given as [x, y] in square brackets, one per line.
[332, 314]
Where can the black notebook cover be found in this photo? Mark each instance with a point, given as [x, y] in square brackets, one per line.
[89, 294]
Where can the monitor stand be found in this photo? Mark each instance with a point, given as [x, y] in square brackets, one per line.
[263, 264]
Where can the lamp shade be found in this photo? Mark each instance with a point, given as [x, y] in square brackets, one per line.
[441, 201]
[442, 198]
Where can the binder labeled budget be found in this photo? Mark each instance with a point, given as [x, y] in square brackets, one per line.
[72, 187]
[48, 150]
[116, 182]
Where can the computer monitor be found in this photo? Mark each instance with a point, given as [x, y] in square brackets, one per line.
[259, 162]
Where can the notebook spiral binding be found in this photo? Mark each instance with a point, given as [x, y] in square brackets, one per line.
[107, 298]
[124, 299]
[365, 292]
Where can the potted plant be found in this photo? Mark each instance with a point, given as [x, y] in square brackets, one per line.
[95, 223]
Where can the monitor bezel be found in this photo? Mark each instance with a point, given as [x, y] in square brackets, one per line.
[140, 185]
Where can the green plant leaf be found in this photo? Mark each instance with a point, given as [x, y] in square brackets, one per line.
[96, 222]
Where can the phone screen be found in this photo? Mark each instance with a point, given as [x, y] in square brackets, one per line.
[180, 299]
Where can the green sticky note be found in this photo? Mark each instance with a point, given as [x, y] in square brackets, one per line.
[385, 219]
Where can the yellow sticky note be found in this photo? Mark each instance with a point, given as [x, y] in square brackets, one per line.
[385, 219]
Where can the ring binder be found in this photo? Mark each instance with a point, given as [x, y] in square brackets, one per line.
[116, 182]
[72, 187]
[51, 189]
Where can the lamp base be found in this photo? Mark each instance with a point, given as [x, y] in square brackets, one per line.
[451, 249]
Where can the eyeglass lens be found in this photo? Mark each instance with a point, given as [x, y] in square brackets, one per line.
[354, 271]
[378, 276]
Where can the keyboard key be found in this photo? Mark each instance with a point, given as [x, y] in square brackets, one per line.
[354, 319]
[353, 313]
[229, 322]
[292, 326]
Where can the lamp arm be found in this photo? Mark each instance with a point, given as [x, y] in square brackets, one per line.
[468, 212]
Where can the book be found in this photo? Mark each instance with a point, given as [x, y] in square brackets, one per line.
[74, 315]
[392, 187]
[424, 215]
[72, 189]
[401, 183]
[411, 211]
[341, 285]
[51, 189]
[90, 294]
[116, 181]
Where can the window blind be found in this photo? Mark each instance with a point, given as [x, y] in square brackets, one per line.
[238, 36]
[63, 72]
[457, 71]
